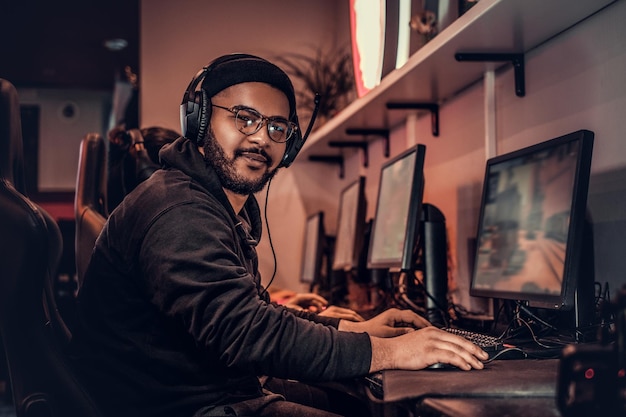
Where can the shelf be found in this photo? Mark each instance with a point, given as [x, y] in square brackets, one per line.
[433, 74]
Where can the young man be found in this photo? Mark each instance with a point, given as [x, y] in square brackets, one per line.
[173, 318]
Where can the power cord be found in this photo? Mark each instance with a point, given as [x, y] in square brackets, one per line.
[269, 236]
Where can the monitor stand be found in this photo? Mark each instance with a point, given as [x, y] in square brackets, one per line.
[582, 317]
[434, 252]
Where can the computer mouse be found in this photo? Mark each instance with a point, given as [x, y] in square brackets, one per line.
[441, 366]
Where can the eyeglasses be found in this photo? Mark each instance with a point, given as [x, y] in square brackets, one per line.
[248, 121]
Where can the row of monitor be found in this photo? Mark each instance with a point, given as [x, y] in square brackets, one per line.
[531, 236]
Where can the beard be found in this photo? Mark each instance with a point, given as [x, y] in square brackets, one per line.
[226, 171]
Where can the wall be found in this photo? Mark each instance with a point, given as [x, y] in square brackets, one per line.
[57, 142]
[179, 38]
[60, 133]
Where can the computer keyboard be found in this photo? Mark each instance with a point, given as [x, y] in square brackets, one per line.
[490, 344]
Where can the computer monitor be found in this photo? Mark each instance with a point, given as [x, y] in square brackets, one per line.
[398, 212]
[532, 224]
[314, 248]
[350, 226]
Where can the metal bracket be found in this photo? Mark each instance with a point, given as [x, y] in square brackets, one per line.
[432, 107]
[330, 160]
[350, 144]
[384, 133]
[516, 59]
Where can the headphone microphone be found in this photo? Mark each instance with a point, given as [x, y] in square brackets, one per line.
[298, 142]
[316, 100]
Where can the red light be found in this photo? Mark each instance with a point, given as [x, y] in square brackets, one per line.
[589, 373]
[621, 373]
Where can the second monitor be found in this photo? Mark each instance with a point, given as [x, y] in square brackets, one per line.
[350, 226]
[409, 236]
[398, 212]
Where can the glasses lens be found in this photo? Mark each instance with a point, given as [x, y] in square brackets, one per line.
[248, 121]
[279, 130]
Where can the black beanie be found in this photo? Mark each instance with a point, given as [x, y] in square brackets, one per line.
[229, 70]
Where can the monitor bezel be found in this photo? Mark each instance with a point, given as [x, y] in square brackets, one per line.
[566, 300]
[405, 262]
[355, 241]
[313, 248]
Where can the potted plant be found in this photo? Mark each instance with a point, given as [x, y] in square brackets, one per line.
[329, 73]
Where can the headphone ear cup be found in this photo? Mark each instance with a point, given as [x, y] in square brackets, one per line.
[193, 119]
[293, 146]
[203, 117]
[195, 116]
[189, 114]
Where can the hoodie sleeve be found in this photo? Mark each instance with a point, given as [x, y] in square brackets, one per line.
[199, 279]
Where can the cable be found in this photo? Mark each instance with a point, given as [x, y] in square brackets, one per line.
[534, 316]
[506, 351]
[269, 236]
[532, 333]
[402, 290]
[443, 311]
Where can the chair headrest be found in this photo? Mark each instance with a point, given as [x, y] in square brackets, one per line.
[11, 147]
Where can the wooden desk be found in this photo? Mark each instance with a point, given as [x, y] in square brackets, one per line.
[488, 407]
[519, 383]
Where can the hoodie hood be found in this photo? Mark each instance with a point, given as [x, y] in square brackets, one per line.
[183, 155]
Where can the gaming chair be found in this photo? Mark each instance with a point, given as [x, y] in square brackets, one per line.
[33, 332]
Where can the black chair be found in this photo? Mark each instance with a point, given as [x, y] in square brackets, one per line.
[11, 148]
[34, 334]
[90, 200]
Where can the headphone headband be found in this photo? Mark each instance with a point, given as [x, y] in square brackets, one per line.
[228, 70]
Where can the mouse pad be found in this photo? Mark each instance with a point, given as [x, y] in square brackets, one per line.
[506, 378]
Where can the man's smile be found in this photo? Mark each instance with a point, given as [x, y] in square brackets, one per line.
[256, 158]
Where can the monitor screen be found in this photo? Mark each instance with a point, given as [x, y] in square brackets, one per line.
[314, 246]
[398, 211]
[532, 222]
[350, 226]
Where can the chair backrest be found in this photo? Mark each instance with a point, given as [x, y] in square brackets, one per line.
[42, 380]
[11, 148]
[90, 199]
[33, 332]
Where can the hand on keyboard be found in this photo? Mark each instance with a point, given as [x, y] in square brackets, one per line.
[486, 342]
[421, 348]
[493, 345]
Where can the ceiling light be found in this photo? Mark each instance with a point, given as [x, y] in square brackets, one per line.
[115, 44]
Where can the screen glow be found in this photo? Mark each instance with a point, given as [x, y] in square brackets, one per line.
[367, 25]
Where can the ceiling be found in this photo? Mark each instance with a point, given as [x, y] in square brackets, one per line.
[60, 44]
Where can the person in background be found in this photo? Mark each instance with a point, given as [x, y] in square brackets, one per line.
[126, 167]
[312, 302]
[173, 318]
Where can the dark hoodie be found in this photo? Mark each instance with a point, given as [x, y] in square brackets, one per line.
[172, 314]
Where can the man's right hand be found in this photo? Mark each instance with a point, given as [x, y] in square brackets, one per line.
[424, 347]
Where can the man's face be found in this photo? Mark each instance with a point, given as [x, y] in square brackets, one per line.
[245, 163]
